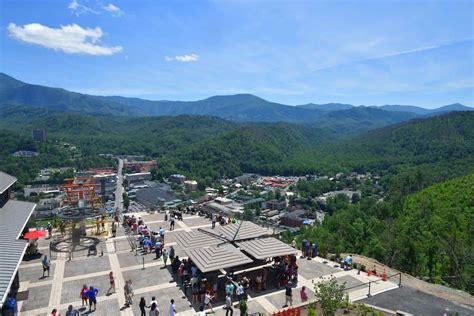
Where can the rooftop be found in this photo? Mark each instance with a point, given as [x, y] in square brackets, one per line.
[14, 215]
[6, 181]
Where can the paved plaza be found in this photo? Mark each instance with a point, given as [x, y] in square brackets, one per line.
[151, 278]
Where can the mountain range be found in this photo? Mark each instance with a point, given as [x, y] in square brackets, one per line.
[337, 117]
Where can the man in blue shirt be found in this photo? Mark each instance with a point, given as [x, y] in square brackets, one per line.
[348, 262]
[92, 295]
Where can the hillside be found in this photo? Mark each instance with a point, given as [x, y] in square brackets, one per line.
[433, 149]
[342, 119]
[14, 92]
[435, 228]
[358, 120]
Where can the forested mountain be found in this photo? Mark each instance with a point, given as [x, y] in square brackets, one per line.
[435, 233]
[358, 120]
[342, 118]
[439, 147]
[422, 111]
[327, 107]
[428, 235]
[14, 92]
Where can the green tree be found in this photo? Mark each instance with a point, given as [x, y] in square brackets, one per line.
[330, 296]
[126, 200]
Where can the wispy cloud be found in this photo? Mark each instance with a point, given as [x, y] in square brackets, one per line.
[113, 9]
[183, 58]
[94, 7]
[71, 39]
[394, 54]
[78, 8]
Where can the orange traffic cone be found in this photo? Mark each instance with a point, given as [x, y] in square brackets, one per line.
[384, 276]
[368, 273]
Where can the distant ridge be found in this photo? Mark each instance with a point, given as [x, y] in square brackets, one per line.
[238, 107]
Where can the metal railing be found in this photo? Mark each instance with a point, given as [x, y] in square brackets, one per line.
[369, 294]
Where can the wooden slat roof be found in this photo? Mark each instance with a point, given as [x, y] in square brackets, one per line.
[215, 258]
[266, 248]
[13, 217]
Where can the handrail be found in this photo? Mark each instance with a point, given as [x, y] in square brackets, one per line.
[374, 281]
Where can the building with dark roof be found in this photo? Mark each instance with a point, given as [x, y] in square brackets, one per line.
[14, 215]
[153, 197]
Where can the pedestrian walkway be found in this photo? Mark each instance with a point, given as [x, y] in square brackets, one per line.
[150, 278]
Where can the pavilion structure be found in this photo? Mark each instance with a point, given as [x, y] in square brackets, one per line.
[232, 246]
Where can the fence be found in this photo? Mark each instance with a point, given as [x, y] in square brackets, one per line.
[384, 277]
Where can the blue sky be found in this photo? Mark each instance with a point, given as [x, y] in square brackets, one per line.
[293, 52]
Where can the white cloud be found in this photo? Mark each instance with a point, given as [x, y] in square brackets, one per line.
[114, 10]
[183, 58]
[79, 9]
[71, 39]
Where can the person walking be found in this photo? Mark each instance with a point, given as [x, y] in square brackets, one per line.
[71, 311]
[172, 308]
[165, 256]
[240, 291]
[55, 312]
[125, 293]
[83, 295]
[112, 283]
[49, 227]
[62, 228]
[142, 306]
[154, 311]
[288, 295]
[228, 306]
[171, 254]
[114, 228]
[92, 296]
[172, 222]
[214, 219]
[46, 264]
[207, 301]
[157, 249]
[128, 293]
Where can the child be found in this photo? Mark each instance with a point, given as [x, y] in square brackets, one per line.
[303, 294]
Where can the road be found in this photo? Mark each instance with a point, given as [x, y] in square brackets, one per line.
[119, 190]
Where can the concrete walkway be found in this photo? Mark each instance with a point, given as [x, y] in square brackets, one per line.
[62, 288]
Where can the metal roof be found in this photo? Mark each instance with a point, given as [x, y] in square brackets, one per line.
[6, 181]
[196, 239]
[13, 217]
[266, 248]
[248, 230]
[215, 258]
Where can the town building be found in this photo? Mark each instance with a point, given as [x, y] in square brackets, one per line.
[177, 178]
[140, 166]
[154, 197]
[131, 178]
[246, 178]
[293, 219]
[275, 205]
[191, 185]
